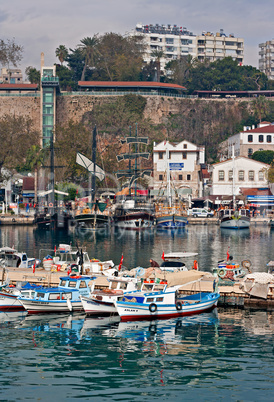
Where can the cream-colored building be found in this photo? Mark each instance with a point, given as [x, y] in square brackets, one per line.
[247, 173]
[251, 140]
[177, 42]
[266, 59]
[183, 162]
[11, 76]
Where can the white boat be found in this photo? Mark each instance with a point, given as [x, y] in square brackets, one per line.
[9, 296]
[231, 270]
[172, 261]
[64, 298]
[102, 302]
[10, 257]
[164, 302]
[234, 219]
[130, 215]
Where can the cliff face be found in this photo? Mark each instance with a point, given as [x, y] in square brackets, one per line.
[28, 106]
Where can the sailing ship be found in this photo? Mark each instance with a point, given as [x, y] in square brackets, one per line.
[170, 214]
[95, 214]
[133, 213]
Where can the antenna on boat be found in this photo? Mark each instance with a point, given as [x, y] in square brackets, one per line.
[233, 176]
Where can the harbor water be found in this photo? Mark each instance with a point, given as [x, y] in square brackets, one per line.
[225, 355]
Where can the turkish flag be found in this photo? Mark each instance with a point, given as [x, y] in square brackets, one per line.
[33, 268]
[121, 262]
[163, 256]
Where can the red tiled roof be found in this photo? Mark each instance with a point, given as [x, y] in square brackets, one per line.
[148, 84]
[18, 86]
[28, 183]
[265, 129]
[205, 174]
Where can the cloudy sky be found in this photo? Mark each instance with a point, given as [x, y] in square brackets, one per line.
[41, 26]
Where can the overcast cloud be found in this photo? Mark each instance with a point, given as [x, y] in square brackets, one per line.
[41, 26]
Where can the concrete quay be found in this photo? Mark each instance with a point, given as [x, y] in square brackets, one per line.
[13, 220]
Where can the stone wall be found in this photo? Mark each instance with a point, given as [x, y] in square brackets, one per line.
[28, 106]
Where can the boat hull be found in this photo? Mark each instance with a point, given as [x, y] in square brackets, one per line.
[134, 221]
[60, 306]
[92, 220]
[135, 311]
[10, 303]
[171, 222]
[232, 223]
[98, 308]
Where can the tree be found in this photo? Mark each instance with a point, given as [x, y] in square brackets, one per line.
[66, 80]
[260, 106]
[270, 173]
[180, 69]
[263, 156]
[10, 52]
[34, 159]
[33, 75]
[17, 133]
[61, 52]
[88, 47]
[158, 55]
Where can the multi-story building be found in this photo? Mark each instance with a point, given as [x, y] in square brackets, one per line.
[247, 173]
[176, 42]
[252, 139]
[11, 76]
[183, 162]
[266, 59]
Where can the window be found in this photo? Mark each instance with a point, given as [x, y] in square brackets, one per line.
[180, 177]
[221, 175]
[250, 138]
[230, 175]
[169, 41]
[159, 299]
[161, 177]
[261, 175]
[184, 155]
[261, 138]
[72, 284]
[241, 175]
[249, 152]
[268, 138]
[185, 146]
[251, 175]
[83, 284]
[150, 299]
[161, 154]
[188, 177]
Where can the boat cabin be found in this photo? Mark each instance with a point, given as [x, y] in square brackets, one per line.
[9, 257]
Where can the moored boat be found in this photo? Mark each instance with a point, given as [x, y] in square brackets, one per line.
[64, 298]
[234, 219]
[9, 296]
[131, 215]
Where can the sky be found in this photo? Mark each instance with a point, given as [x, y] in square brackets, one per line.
[42, 26]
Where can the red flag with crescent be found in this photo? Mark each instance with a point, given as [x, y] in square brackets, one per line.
[121, 262]
[163, 256]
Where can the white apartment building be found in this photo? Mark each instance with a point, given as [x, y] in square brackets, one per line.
[183, 162]
[176, 42]
[248, 173]
[266, 59]
[252, 139]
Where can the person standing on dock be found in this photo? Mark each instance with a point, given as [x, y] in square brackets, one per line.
[154, 264]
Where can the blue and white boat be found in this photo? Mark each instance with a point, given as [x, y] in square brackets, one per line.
[164, 302]
[64, 298]
[9, 296]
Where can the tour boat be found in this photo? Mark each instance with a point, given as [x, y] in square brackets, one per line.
[130, 215]
[233, 219]
[163, 303]
[64, 298]
[102, 301]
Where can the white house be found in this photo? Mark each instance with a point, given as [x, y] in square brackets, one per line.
[252, 139]
[248, 173]
[183, 161]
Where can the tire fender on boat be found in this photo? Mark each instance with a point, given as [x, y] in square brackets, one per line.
[179, 305]
[153, 307]
[221, 273]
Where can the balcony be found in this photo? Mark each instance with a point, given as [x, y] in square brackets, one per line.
[50, 81]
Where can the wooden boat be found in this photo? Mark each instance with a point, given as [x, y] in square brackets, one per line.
[173, 217]
[9, 296]
[91, 219]
[163, 303]
[131, 215]
[231, 270]
[234, 219]
[102, 302]
[64, 298]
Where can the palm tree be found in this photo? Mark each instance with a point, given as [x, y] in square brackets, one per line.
[158, 55]
[89, 49]
[261, 106]
[61, 52]
[35, 158]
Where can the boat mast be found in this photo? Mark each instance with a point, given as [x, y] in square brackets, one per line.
[168, 175]
[93, 182]
[233, 176]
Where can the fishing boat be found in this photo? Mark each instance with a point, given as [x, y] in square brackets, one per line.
[10, 257]
[64, 298]
[164, 302]
[172, 261]
[234, 219]
[230, 270]
[102, 301]
[131, 215]
[9, 296]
